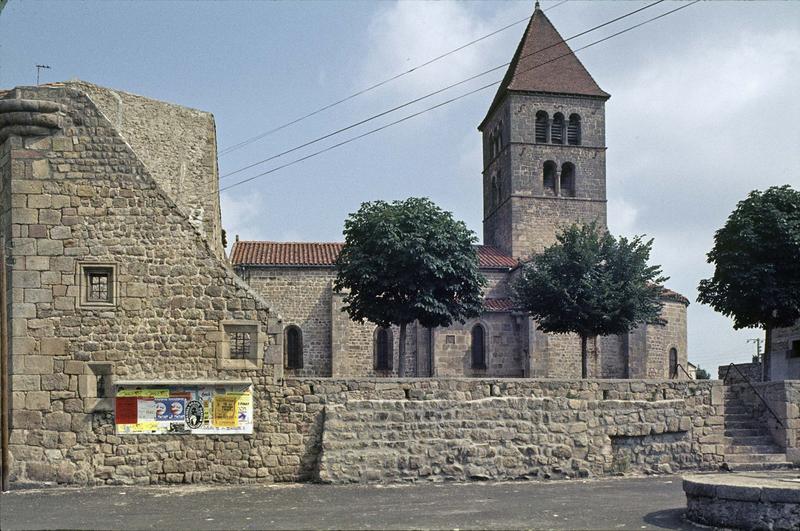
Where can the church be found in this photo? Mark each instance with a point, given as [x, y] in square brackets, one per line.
[544, 168]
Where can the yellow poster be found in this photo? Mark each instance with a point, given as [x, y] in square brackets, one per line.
[141, 427]
[225, 411]
[151, 393]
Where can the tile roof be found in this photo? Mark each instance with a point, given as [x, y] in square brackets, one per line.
[262, 253]
[498, 305]
[674, 296]
[543, 62]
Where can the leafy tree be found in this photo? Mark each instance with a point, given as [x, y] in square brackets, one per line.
[757, 264]
[590, 284]
[408, 261]
[702, 374]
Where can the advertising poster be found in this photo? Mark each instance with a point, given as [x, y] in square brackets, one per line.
[225, 411]
[221, 409]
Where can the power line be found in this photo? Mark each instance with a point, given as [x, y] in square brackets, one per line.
[431, 94]
[442, 104]
[252, 139]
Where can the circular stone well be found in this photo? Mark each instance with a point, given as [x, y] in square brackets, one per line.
[745, 500]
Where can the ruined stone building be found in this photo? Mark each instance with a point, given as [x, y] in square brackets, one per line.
[544, 168]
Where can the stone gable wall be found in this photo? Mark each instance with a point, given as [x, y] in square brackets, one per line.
[178, 146]
[79, 196]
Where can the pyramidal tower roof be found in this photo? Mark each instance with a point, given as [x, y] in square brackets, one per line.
[543, 62]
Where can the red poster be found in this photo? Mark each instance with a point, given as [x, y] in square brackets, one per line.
[127, 410]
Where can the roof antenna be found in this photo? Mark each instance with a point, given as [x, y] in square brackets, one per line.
[38, 70]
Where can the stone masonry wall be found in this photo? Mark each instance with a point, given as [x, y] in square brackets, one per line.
[527, 217]
[730, 375]
[784, 363]
[178, 146]
[82, 196]
[514, 429]
[302, 297]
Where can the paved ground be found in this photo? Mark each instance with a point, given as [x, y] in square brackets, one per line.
[620, 503]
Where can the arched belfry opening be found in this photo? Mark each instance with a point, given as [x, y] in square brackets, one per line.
[574, 130]
[549, 177]
[541, 127]
[567, 183]
[557, 129]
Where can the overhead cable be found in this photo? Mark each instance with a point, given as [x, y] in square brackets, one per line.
[446, 102]
[431, 94]
[259, 136]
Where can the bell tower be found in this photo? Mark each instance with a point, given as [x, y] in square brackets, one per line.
[544, 154]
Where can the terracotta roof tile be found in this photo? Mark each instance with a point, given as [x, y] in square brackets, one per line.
[498, 305]
[674, 296]
[263, 253]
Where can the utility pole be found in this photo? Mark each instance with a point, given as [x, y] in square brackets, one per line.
[757, 341]
[38, 71]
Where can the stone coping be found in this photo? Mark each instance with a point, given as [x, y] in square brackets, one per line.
[176, 383]
[771, 487]
[498, 379]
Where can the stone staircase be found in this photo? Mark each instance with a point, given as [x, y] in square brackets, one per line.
[748, 444]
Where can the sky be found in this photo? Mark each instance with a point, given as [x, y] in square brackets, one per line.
[703, 110]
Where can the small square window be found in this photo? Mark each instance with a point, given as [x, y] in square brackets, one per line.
[241, 345]
[98, 285]
[450, 339]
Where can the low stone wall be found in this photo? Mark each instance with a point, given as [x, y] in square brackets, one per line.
[769, 501]
[783, 398]
[732, 376]
[460, 429]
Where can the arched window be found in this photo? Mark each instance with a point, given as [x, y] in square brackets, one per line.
[673, 363]
[574, 130]
[294, 348]
[499, 192]
[557, 129]
[568, 179]
[383, 349]
[499, 138]
[541, 127]
[478, 347]
[549, 177]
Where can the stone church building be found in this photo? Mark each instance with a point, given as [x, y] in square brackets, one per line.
[544, 168]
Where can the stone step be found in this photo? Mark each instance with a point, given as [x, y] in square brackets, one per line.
[751, 440]
[753, 449]
[755, 458]
[738, 416]
[742, 425]
[743, 432]
[750, 467]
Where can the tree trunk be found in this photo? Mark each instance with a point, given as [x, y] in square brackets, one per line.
[584, 357]
[401, 362]
[766, 358]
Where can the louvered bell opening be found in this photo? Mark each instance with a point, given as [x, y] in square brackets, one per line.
[557, 132]
[573, 133]
[541, 131]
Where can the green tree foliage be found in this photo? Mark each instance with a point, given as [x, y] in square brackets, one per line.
[408, 261]
[590, 284]
[757, 263]
[702, 374]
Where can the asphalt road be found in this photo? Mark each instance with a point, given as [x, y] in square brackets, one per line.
[620, 503]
